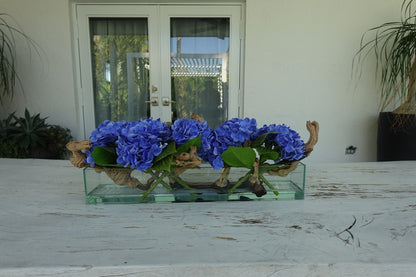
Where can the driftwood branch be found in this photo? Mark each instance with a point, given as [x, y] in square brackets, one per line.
[313, 128]
[78, 157]
[254, 182]
[222, 182]
[188, 160]
[120, 176]
[197, 117]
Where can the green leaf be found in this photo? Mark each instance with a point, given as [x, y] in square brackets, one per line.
[170, 149]
[163, 164]
[266, 154]
[259, 141]
[104, 156]
[239, 157]
[193, 142]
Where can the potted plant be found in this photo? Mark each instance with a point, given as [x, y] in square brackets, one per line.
[394, 47]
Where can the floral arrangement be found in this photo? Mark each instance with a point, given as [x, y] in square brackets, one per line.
[162, 150]
[236, 143]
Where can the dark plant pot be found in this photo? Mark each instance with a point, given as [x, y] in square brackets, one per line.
[396, 142]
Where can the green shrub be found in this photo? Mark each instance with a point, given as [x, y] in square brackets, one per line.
[31, 137]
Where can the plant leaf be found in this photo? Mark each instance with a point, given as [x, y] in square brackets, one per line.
[259, 141]
[104, 156]
[163, 164]
[185, 147]
[239, 157]
[170, 149]
[266, 154]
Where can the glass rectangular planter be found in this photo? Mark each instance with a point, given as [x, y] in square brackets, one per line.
[101, 189]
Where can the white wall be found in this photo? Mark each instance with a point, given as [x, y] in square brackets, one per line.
[47, 78]
[298, 68]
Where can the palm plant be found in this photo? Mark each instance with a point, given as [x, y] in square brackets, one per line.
[394, 47]
[8, 36]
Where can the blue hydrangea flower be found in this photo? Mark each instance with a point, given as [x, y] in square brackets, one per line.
[287, 142]
[105, 135]
[184, 130]
[233, 132]
[140, 141]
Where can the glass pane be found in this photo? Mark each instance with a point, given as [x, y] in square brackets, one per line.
[120, 64]
[199, 68]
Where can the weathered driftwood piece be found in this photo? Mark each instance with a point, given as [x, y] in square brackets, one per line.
[78, 157]
[185, 161]
[254, 182]
[194, 116]
[188, 160]
[223, 182]
[120, 176]
[313, 128]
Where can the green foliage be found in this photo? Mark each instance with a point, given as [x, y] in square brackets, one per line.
[239, 157]
[8, 146]
[104, 156]
[187, 145]
[163, 162]
[8, 35]
[32, 131]
[267, 154]
[394, 47]
[30, 135]
[260, 140]
[58, 137]
[107, 156]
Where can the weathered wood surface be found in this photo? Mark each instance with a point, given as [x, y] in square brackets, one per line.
[356, 218]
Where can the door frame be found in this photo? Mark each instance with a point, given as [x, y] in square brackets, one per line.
[159, 49]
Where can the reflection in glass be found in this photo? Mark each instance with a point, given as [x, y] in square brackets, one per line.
[199, 68]
[120, 65]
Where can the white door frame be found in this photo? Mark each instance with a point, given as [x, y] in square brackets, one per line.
[159, 48]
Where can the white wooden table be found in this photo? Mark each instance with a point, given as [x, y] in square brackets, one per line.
[357, 219]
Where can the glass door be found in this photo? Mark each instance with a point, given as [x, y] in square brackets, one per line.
[167, 61]
[201, 72]
[199, 49]
[119, 61]
[120, 68]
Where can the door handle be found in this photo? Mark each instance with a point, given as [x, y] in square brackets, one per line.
[154, 101]
[166, 101]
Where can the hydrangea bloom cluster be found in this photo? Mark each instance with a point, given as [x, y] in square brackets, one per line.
[137, 143]
[140, 141]
[287, 141]
[105, 135]
[184, 130]
[231, 133]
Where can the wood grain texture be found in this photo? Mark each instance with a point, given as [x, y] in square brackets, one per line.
[358, 214]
